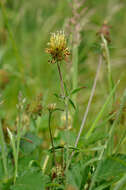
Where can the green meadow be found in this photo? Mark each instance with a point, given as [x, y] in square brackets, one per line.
[62, 95]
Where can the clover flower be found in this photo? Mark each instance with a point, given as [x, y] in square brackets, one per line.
[51, 107]
[57, 47]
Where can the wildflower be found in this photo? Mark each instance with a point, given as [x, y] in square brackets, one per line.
[57, 47]
[52, 107]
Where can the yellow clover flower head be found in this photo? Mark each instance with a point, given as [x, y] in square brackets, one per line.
[57, 47]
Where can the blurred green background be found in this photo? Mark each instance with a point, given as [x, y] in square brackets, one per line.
[25, 28]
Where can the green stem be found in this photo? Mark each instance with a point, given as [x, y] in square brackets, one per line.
[87, 109]
[18, 145]
[101, 112]
[107, 57]
[66, 106]
[51, 137]
[110, 81]
[123, 101]
[61, 79]
[13, 143]
[75, 68]
[2, 143]
[34, 124]
[67, 148]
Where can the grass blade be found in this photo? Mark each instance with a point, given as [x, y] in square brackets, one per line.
[3, 149]
[101, 112]
[75, 68]
[121, 182]
[13, 143]
[123, 101]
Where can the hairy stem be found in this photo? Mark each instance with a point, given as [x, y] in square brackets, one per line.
[61, 79]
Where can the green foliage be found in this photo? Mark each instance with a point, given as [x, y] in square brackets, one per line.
[112, 167]
[30, 180]
[1, 170]
[77, 175]
[29, 143]
[80, 157]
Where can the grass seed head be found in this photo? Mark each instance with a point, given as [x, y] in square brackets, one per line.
[105, 31]
[35, 108]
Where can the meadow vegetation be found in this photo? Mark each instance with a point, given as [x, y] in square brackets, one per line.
[62, 95]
